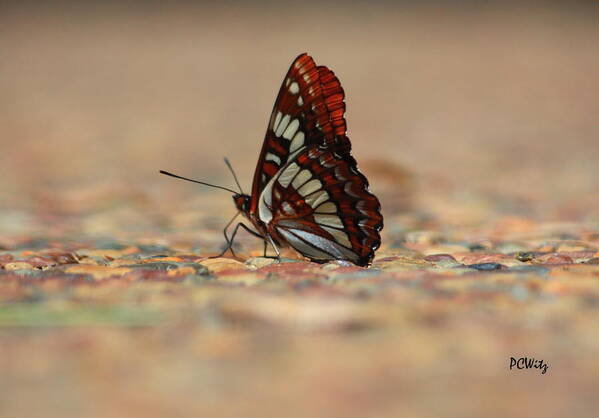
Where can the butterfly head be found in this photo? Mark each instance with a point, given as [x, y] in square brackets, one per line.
[242, 202]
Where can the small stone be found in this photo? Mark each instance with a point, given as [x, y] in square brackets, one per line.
[172, 269]
[435, 258]
[65, 258]
[580, 256]
[98, 272]
[217, 265]
[401, 263]
[107, 254]
[487, 266]
[18, 265]
[259, 262]
[41, 262]
[298, 266]
[480, 258]
[524, 256]
[337, 264]
[554, 258]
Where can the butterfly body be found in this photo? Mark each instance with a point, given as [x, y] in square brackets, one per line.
[307, 191]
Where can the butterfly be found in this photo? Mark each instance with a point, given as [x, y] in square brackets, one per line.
[307, 192]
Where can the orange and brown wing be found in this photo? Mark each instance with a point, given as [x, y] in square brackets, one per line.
[308, 110]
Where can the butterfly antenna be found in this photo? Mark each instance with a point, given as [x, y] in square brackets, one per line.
[196, 181]
[234, 175]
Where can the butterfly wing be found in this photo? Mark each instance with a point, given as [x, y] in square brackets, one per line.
[320, 205]
[308, 110]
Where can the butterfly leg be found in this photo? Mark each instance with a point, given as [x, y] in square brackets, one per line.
[230, 240]
[274, 246]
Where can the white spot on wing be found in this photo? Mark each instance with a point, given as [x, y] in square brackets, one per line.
[319, 248]
[301, 178]
[273, 157]
[282, 126]
[300, 101]
[328, 220]
[287, 81]
[340, 236]
[298, 141]
[291, 129]
[287, 174]
[277, 120]
[310, 187]
[288, 209]
[294, 88]
[315, 199]
[328, 207]
[265, 200]
[301, 246]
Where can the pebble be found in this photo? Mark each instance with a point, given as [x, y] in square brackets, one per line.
[435, 258]
[553, 258]
[220, 264]
[172, 268]
[108, 254]
[480, 258]
[98, 272]
[259, 262]
[524, 256]
[339, 264]
[18, 265]
[5, 258]
[487, 266]
[41, 262]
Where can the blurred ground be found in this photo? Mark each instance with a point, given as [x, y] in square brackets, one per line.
[477, 127]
